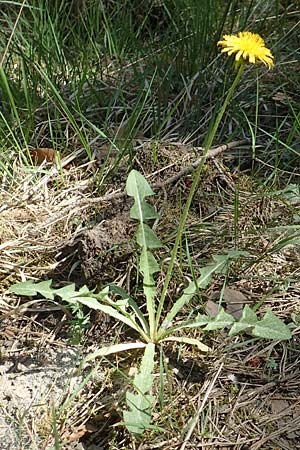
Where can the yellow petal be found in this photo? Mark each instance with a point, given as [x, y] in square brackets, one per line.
[250, 46]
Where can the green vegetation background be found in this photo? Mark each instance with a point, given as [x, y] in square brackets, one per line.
[72, 69]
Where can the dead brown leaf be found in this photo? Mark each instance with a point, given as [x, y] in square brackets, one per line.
[76, 435]
[40, 155]
[235, 302]
[211, 308]
[279, 405]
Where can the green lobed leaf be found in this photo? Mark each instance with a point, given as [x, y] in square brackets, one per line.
[68, 292]
[138, 417]
[148, 266]
[147, 211]
[146, 237]
[131, 302]
[207, 272]
[144, 379]
[219, 266]
[29, 288]
[186, 340]
[222, 320]
[111, 310]
[271, 327]
[248, 320]
[166, 328]
[111, 349]
[137, 186]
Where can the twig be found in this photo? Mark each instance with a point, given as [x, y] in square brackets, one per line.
[188, 169]
[292, 425]
[116, 195]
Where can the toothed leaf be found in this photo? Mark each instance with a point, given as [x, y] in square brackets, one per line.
[222, 320]
[29, 289]
[270, 327]
[138, 416]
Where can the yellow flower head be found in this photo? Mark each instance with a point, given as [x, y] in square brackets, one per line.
[248, 46]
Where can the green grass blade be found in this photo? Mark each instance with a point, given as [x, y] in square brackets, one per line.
[219, 265]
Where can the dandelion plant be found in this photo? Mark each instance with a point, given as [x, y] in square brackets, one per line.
[155, 325]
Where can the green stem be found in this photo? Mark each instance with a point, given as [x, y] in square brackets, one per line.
[208, 143]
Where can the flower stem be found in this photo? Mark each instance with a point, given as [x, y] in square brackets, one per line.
[207, 145]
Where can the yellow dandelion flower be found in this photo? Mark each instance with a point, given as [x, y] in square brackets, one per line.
[248, 46]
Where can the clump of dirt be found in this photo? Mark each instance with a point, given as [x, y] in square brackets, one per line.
[104, 249]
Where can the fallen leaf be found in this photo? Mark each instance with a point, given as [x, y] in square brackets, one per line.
[255, 362]
[278, 405]
[235, 302]
[40, 155]
[79, 433]
[211, 308]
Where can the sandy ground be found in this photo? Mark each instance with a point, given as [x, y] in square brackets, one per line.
[28, 385]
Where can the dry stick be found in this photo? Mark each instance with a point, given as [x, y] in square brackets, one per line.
[200, 409]
[211, 154]
[118, 195]
[188, 169]
[113, 195]
[292, 425]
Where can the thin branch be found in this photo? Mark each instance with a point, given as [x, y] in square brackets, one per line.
[188, 169]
